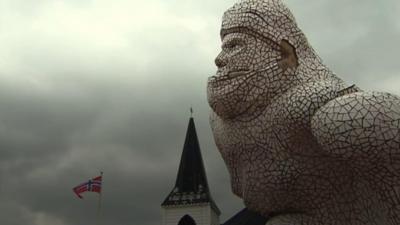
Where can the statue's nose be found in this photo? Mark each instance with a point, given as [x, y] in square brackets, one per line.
[220, 61]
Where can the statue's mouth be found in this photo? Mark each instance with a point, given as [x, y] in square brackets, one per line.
[221, 79]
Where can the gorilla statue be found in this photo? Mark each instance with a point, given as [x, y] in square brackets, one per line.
[302, 147]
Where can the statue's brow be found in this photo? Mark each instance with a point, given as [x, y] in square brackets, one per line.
[251, 32]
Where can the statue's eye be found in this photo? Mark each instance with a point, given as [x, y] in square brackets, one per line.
[231, 45]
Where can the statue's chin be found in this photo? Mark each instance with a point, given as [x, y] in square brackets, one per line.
[228, 105]
[234, 94]
[224, 111]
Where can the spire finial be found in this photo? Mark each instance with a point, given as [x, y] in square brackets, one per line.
[191, 111]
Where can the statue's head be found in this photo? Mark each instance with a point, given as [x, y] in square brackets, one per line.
[263, 51]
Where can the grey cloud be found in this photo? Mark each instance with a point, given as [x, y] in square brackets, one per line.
[73, 104]
[357, 40]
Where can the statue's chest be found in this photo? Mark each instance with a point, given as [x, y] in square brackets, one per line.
[283, 121]
[274, 129]
[262, 131]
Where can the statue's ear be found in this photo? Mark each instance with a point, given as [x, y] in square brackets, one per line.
[288, 56]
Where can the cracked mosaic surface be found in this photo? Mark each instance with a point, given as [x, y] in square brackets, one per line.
[301, 145]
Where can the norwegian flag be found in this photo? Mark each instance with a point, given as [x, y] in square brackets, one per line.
[93, 185]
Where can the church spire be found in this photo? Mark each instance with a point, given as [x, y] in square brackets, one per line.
[191, 174]
[191, 185]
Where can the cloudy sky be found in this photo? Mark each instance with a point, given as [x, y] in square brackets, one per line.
[90, 85]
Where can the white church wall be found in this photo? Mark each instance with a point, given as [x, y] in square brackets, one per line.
[214, 217]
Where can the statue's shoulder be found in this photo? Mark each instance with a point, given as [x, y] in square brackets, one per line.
[367, 122]
[378, 107]
[302, 101]
[315, 91]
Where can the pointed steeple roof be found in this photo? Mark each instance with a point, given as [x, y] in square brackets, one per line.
[191, 174]
[191, 186]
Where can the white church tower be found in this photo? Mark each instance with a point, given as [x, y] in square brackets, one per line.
[190, 201]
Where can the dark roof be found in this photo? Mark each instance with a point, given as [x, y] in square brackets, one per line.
[246, 217]
[191, 185]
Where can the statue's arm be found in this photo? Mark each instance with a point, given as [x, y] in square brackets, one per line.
[361, 125]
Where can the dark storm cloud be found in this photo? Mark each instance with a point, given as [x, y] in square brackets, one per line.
[94, 85]
[76, 101]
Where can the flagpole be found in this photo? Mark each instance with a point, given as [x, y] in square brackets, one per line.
[99, 203]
